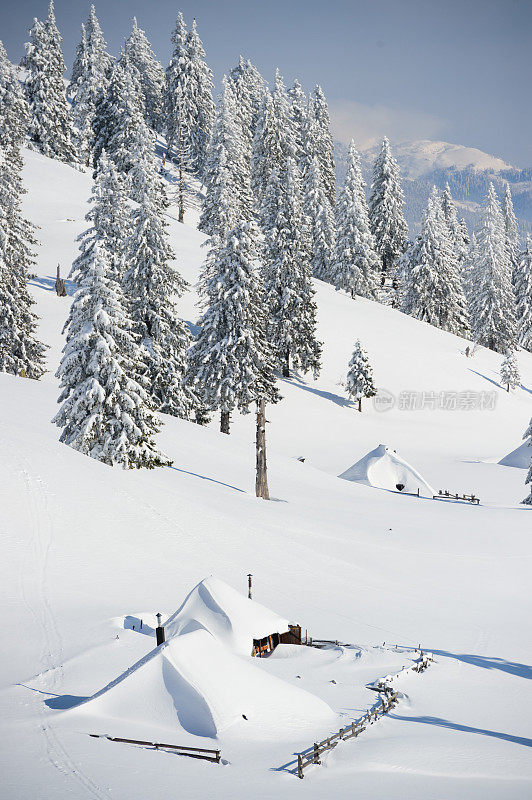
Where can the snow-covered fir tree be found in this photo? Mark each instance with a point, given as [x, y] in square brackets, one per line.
[491, 299]
[319, 229]
[323, 143]
[188, 105]
[266, 151]
[109, 218]
[300, 110]
[432, 285]
[14, 111]
[152, 286]
[275, 139]
[21, 353]
[91, 52]
[511, 231]
[150, 74]
[88, 84]
[50, 128]
[287, 275]
[105, 413]
[386, 210]
[359, 381]
[457, 228]
[248, 86]
[230, 362]
[510, 376]
[355, 267]
[119, 113]
[200, 83]
[523, 296]
[528, 480]
[227, 173]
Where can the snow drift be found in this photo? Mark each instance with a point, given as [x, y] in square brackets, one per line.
[520, 457]
[384, 469]
[194, 683]
[227, 615]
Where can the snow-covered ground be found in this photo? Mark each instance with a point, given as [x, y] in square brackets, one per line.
[86, 548]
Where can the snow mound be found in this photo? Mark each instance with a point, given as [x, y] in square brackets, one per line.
[384, 469]
[193, 683]
[226, 614]
[520, 457]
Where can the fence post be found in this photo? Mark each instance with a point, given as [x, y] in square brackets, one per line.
[299, 767]
[316, 754]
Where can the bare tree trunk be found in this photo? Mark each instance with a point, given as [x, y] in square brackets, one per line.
[181, 216]
[261, 481]
[286, 365]
[225, 418]
[60, 284]
[360, 404]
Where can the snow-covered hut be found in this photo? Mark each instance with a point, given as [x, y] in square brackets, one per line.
[384, 469]
[243, 625]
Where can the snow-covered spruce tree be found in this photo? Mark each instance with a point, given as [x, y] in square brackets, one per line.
[230, 363]
[265, 149]
[299, 103]
[188, 105]
[151, 286]
[323, 143]
[319, 229]
[14, 111]
[248, 86]
[355, 267]
[274, 140]
[528, 480]
[91, 54]
[50, 127]
[200, 83]
[227, 171]
[88, 84]
[119, 113]
[432, 285]
[511, 231]
[457, 228]
[150, 74]
[359, 382]
[104, 414]
[492, 302]
[109, 218]
[386, 210]
[21, 353]
[523, 296]
[510, 376]
[287, 275]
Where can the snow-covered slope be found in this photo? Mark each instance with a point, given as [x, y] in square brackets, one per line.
[85, 549]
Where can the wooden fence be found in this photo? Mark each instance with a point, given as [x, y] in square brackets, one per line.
[388, 700]
[443, 494]
[181, 750]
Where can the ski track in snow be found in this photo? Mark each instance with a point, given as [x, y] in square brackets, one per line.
[34, 573]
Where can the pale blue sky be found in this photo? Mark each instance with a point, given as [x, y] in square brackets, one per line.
[458, 70]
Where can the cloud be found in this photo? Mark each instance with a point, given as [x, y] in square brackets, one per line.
[367, 124]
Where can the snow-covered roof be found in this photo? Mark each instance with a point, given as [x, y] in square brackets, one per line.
[195, 683]
[384, 469]
[229, 616]
[520, 457]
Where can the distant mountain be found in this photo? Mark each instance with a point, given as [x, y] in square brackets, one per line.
[468, 171]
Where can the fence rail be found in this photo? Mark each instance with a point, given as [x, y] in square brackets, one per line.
[443, 494]
[183, 750]
[388, 700]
